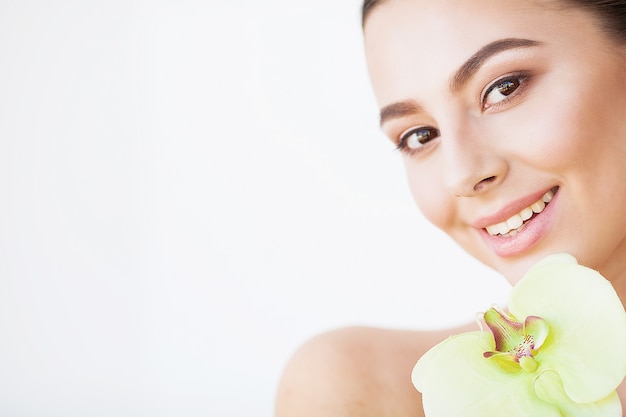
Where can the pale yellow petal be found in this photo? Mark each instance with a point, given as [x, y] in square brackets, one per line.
[587, 340]
[549, 387]
[456, 380]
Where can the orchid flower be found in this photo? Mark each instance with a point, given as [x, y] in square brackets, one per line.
[560, 351]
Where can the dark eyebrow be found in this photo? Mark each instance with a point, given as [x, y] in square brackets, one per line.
[473, 64]
[461, 76]
[398, 110]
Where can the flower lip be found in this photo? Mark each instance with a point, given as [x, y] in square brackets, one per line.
[511, 209]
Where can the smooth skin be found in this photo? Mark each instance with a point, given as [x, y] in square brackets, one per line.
[542, 106]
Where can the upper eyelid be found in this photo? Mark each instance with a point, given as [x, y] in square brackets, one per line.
[402, 138]
[525, 78]
[522, 75]
[399, 139]
[395, 129]
[411, 129]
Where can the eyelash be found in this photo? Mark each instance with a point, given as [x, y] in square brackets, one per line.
[521, 79]
[403, 145]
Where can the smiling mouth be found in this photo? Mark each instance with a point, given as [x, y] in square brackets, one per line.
[516, 223]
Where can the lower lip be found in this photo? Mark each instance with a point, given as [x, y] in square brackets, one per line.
[531, 233]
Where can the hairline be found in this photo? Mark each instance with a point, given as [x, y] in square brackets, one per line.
[368, 6]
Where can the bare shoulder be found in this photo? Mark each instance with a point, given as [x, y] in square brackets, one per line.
[355, 371]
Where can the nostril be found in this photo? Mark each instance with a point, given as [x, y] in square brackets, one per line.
[483, 183]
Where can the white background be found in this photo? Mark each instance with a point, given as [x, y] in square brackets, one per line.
[189, 191]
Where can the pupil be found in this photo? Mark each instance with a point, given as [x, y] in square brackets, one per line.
[507, 87]
[423, 136]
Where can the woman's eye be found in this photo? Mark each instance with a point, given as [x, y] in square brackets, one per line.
[501, 90]
[413, 139]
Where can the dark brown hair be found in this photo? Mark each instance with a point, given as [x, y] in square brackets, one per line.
[368, 5]
[612, 13]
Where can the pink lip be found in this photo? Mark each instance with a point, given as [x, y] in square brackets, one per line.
[509, 210]
[532, 231]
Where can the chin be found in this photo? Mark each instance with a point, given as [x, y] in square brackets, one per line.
[513, 269]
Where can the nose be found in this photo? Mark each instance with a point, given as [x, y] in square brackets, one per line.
[472, 164]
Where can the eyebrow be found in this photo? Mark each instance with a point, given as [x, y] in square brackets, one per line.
[398, 110]
[460, 78]
[473, 64]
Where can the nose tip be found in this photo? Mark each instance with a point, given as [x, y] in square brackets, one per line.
[472, 162]
[469, 174]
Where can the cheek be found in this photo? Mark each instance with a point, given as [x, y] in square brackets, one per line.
[425, 183]
[553, 138]
[567, 128]
[550, 143]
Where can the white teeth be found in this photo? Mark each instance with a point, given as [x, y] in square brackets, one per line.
[526, 214]
[538, 206]
[517, 220]
[547, 197]
[493, 230]
[503, 228]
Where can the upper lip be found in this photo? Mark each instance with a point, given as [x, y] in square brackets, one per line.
[509, 210]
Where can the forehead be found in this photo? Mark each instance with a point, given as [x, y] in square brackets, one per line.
[411, 41]
[446, 15]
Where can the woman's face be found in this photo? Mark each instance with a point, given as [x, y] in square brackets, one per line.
[497, 105]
